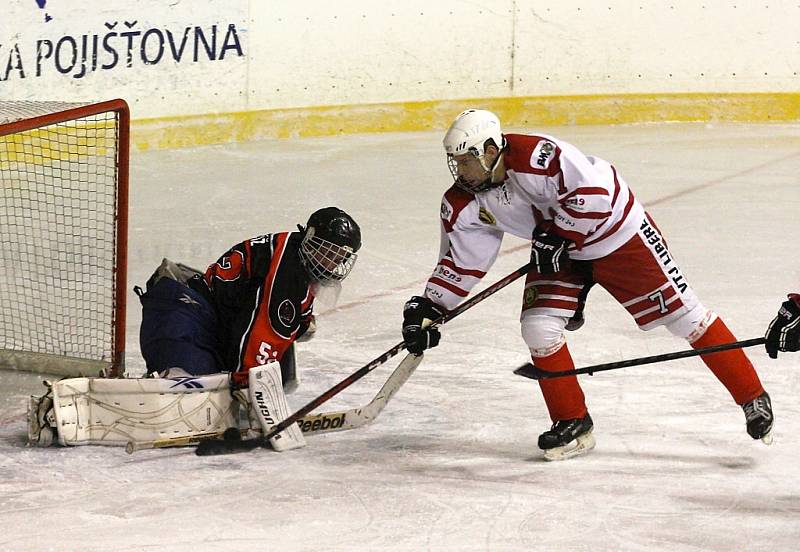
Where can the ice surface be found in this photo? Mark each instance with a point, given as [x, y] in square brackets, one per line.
[452, 463]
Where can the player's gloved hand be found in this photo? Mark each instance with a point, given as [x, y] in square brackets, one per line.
[308, 326]
[548, 250]
[418, 313]
[783, 333]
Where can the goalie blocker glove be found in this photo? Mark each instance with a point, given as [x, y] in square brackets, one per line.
[548, 250]
[783, 333]
[418, 313]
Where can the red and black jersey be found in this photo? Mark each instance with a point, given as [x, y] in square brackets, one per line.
[262, 297]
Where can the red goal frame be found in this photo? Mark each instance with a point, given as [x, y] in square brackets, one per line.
[120, 107]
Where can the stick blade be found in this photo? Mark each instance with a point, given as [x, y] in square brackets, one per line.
[530, 371]
[216, 447]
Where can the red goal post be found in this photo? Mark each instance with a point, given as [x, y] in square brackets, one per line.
[63, 236]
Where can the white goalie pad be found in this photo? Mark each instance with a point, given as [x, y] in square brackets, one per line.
[268, 403]
[98, 411]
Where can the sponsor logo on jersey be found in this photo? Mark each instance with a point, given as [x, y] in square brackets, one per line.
[286, 312]
[486, 217]
[431, 292]
[543, 154]
[446, 211]
[322, 422]
[502, 194]
[530, 296]
[447, 274]
[564, 220]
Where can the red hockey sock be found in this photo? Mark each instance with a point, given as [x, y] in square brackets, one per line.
[563, 396]
[732, 368]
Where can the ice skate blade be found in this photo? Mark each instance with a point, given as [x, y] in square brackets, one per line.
[580, 446]
[767, 439]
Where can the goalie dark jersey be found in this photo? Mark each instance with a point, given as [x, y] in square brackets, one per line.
[262, 297]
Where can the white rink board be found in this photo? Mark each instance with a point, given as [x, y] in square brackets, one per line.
[220, 56]
[623, 47]
[451, 463]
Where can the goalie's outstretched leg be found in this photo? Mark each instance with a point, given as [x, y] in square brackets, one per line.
[269, 405]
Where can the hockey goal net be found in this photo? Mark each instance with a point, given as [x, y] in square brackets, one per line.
[63, 236]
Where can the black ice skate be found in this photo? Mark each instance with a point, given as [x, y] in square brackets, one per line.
[758, 413]
[567, 438]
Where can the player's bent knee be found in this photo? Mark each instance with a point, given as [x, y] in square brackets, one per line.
[693, 324]
[543, 334]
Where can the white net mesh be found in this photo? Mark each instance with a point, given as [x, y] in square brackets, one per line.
[58, 215]
[13, 110]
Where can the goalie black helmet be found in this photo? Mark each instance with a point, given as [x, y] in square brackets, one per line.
[329, 246]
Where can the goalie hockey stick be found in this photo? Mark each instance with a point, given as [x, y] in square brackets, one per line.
[326, 422]
[218, 446]
[528, 370]
[358, 417]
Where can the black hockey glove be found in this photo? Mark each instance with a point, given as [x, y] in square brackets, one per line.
[308, 326]
[417, 313]
[783, 333]
[548, 250]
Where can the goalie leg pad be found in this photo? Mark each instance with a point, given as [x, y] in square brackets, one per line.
[268, 403]
[98, 411]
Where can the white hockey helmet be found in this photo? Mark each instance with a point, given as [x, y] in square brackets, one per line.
[470, 134]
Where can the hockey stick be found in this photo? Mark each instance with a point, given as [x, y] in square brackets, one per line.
[217, 446]
[528, 370]
[358, 417]
[326, 422]
[133, 446]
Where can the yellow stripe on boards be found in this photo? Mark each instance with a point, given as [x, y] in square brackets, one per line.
[528, 112]
[55, 143]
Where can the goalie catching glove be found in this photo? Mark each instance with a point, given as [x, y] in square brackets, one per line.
[783, 333]
[548, 250]
[418, 335]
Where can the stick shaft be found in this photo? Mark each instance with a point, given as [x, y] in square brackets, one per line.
[216, 446]
[348, 381]
[133, 446]
[530, 371]
[351, 418]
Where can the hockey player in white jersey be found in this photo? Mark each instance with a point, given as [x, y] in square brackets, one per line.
[585, 227]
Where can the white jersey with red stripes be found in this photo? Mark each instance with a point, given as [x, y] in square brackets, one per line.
[547, 179]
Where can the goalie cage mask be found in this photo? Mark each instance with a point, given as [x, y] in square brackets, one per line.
[329, 246]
